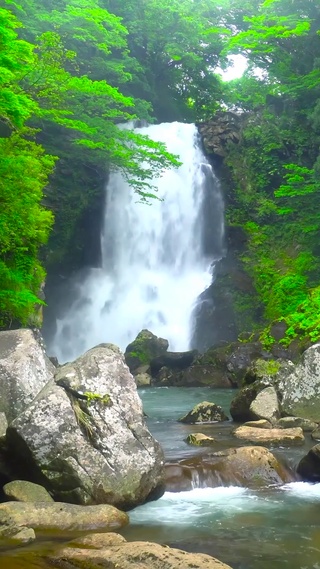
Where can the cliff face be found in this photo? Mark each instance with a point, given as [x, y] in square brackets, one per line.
[229, 306]
[218, 132]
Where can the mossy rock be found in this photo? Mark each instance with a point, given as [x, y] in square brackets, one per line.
[204, 412]
[143, 349]
[200, 440]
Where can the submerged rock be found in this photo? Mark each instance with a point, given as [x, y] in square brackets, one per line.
[24, 370]
[85, 438]
[136, 555]
[64, 517]
[252, 466]
[23, 491]
[204, 412]
[199, 439]
[143, 349]
[270, 436]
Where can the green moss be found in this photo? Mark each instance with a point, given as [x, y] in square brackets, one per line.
[269, 367]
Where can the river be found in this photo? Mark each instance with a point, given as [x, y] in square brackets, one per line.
[269, 528]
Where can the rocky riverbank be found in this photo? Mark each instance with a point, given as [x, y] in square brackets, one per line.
[76, 436]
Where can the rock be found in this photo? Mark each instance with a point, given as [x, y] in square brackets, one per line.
[249, 466]
[172, 360]
[309, 466]
[270, 436]
[261, 424]
[64, 517]
[240, 405]
[143, 379]
[85, 438]
[143, 349]
[97, 541]
[196, 376]
[291, 422]
[315, 435]
[135, 555]
[300, 386]
[3, 425]
[24, 371]
[218, 132]
[234, 360]
[199, 439]
[24, 491]
[23, 537]
[204, 412]
[265, 405]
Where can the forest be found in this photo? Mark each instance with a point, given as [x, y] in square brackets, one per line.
[71, 75]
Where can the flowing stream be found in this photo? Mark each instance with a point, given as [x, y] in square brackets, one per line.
[156, 260]
[267, 528]
[277, 527]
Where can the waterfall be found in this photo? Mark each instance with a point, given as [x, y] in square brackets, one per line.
[156, 259]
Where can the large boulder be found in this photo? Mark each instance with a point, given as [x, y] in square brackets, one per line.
[245, 466]
[143, 349]
[136, 555]
[240, 405]
[299, 388]
[309, 466]
[24, 370]
[84, 437]
[265, 405]
[204, 412]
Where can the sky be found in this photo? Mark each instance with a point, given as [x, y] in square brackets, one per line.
[236, 70]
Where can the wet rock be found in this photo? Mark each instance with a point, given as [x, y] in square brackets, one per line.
[315, 435]
[199, 376]
[97, 541]
[143, 379]
[23, 491]
[143, 349]
[24, 370]
[309, 466]
[199, 439]
[270, 436]
[290, 422]
[261, 424]
[251, 466]
[3, 425]
[240, 405]
[23, 537]
[204, 412]
[299, 388]
[173, 361]
[85, 438]
[265, 405]
[136, 555]
[64, 517]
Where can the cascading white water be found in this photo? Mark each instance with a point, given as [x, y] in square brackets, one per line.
[157, 259]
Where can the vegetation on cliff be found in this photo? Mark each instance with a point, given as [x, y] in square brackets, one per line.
[275, 167]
